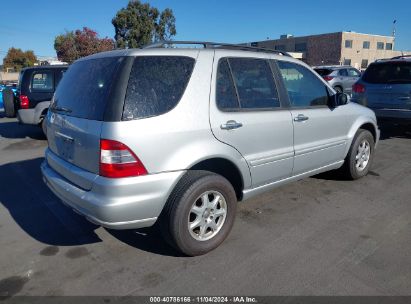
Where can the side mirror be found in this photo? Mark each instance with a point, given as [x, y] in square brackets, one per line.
[338, 99]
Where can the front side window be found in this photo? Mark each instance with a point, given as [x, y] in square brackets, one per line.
[254, 82]
[304, 88]
[348, 44]
[353, 73]
[42, 82]
[156, 85]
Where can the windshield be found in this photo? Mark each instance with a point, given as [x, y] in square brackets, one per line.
[389, 72]
[84, 89]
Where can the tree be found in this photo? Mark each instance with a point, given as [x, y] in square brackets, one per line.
[17, 59]
[80, 43]
[139, 24]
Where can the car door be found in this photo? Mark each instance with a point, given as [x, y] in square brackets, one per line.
[353, 76]
[320, 132]
[344, 80]
[247, 114]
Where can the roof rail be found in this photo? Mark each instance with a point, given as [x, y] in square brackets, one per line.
[401, 56]
[215, 45]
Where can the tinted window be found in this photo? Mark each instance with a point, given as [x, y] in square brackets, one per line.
[255, 83]
[156, 85]
[42, 81]
[389, 72]
[84, 89]
[323, 72]
[58, 75]
[225, 95]
[304, 88]
[343, 72]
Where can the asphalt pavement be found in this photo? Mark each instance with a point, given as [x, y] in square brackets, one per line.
[319, 236]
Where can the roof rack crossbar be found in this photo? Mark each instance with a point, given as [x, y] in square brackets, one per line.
[207, 44]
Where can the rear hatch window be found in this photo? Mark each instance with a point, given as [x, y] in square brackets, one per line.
[389, 72]
[84, 90]
[156, 85]
[323, 72]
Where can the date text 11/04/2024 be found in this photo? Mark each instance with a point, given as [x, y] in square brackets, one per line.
[203, 299]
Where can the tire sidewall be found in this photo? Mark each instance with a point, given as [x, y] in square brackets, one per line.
[361, 135]
[185, 242]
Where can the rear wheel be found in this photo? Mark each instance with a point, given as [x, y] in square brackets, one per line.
[8, 101]
[360, 155]
[199, 213]
[338, 89]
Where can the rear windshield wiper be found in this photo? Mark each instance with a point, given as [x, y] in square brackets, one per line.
[62, 109]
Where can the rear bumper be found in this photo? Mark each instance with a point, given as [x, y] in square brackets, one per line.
[32, 116]
[125, 203]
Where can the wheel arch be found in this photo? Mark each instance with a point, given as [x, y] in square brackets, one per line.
[225, 168]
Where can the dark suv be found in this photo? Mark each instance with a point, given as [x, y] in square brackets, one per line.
[385, 87]
[35, 91]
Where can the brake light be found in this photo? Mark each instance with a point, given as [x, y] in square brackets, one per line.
[117, 160]
[24, 102]
[328, 78]
[358, 88]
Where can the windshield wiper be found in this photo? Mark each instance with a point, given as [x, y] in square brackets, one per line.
[62, 109]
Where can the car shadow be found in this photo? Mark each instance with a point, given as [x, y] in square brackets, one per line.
[146, 239]
[37, 210]
[393, 130]
[43, 217]
[12, 129]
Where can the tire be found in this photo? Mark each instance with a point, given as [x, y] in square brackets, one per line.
[43, 126]
[338, 89]
[191, 196]
[8, 101]
[358, 163]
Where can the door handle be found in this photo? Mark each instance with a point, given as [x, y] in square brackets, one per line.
[300, 117]
[231, 124]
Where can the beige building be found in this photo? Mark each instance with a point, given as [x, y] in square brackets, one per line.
[341, 48]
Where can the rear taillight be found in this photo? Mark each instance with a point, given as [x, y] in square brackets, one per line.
[328, 78]
[358, 88]
[24, 102]
[117, 160]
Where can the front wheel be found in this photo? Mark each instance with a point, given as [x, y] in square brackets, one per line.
[360, 156]
[200, 213]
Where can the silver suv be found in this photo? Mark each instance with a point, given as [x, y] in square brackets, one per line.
[341, 78]
[176, 136]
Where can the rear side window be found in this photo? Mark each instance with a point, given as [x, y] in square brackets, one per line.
[156, 85]
[42, 81]
[389, 72]
[303, 87]
[254, 84]
[84, 89]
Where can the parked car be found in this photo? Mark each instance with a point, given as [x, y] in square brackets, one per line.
[341, 78]
[177, 136]
[34, 92]
[385, 87]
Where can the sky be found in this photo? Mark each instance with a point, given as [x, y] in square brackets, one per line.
[33, 25]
